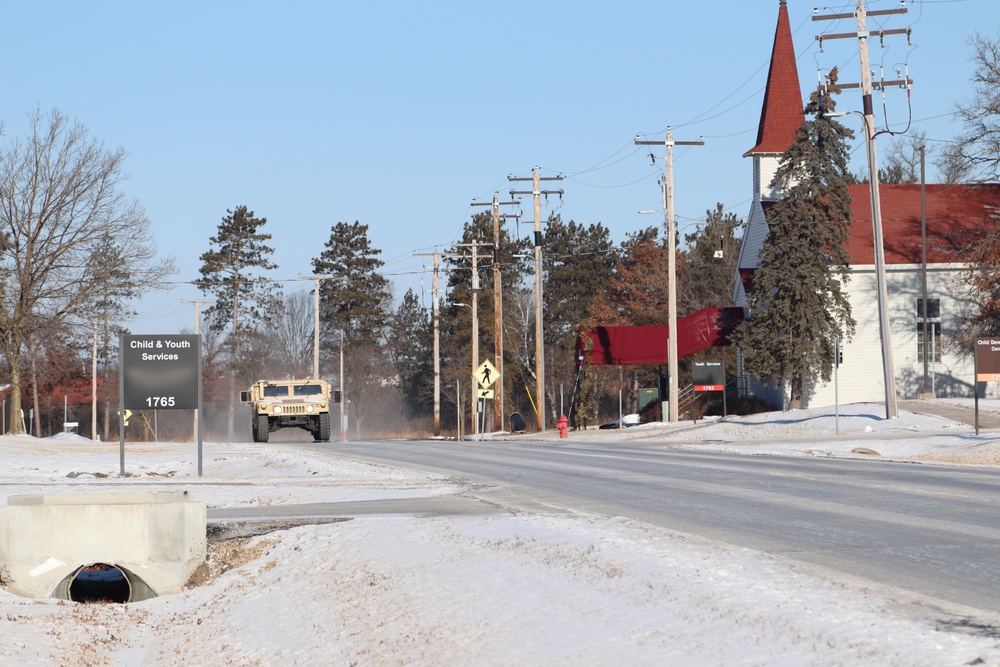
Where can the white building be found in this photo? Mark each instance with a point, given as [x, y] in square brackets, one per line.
[950, 209]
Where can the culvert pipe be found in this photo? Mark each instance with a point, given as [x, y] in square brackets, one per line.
[103, 582]
[99, 582]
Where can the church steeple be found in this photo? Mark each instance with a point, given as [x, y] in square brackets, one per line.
[781, 115]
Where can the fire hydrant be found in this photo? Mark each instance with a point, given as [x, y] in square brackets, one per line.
[563, 426]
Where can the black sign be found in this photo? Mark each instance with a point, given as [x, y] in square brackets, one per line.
[160, 371]
[708, 376]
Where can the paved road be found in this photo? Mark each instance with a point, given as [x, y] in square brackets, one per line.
[930, 529]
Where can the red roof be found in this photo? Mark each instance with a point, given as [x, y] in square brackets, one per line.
[782, 113]
[951, 210]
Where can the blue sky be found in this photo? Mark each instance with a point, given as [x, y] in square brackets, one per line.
[399, 114]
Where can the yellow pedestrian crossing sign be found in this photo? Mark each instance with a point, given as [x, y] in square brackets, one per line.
[486, 374]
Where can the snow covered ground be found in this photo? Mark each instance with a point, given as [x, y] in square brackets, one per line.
[499, 589]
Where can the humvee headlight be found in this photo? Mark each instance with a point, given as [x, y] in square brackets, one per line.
[277, 409]
[309, 408]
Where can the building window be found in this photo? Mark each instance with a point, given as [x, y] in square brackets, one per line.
[933, 330]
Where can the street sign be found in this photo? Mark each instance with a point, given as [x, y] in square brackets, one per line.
[486, 393]
[986, 366]
[486, 374]
[708, 376]
[161, 371]
[987, 360]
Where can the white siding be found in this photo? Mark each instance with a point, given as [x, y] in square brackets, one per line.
[764, 168]
[860, 377]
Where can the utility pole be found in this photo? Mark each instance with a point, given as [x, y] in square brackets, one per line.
[93, 391]
[667, 185]
[315, 369]
[436, 321]
[923, 266]
[343, 394]
[866, 85]
[497, 305]
[475, 245]
[536, 192]
[197, 332]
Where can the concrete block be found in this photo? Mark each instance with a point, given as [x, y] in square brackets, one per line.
[156, 541]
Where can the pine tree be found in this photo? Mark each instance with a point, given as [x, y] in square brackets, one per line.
[359, 303]
[578, 263]
[798, 304]
[359, 307]
[710, 263]
[243, 297]
[230, 273]
[411, 347]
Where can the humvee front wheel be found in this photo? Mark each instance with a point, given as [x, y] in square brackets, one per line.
[261, 429]
[323, 434]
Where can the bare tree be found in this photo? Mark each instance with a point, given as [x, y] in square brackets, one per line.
[60, 201]
[977, 149]
[901, 163]
[293, 335]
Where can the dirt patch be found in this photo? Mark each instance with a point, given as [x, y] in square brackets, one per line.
[234, 544]
[965, 458]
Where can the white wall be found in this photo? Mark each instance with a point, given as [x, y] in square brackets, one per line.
[860, 377]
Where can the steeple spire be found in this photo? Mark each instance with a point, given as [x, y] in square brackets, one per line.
[782, 113]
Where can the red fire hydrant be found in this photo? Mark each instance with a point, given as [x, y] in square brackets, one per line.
[563, 426]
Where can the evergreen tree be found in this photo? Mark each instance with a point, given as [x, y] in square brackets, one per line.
[578, 263]
[798, 304]
[360, 302]
[710, 263]
[359, 305]
[230, 273]
[411, 347]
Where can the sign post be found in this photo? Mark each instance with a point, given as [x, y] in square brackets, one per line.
[161, 372]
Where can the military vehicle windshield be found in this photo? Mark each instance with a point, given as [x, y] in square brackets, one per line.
[270, 390]
[308, 390]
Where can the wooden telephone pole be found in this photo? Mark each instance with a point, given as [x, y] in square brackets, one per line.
[667, 185]
[866, 85]
[497, 304]
[536, 192]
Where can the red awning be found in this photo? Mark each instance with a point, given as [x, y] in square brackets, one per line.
[636, 346]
